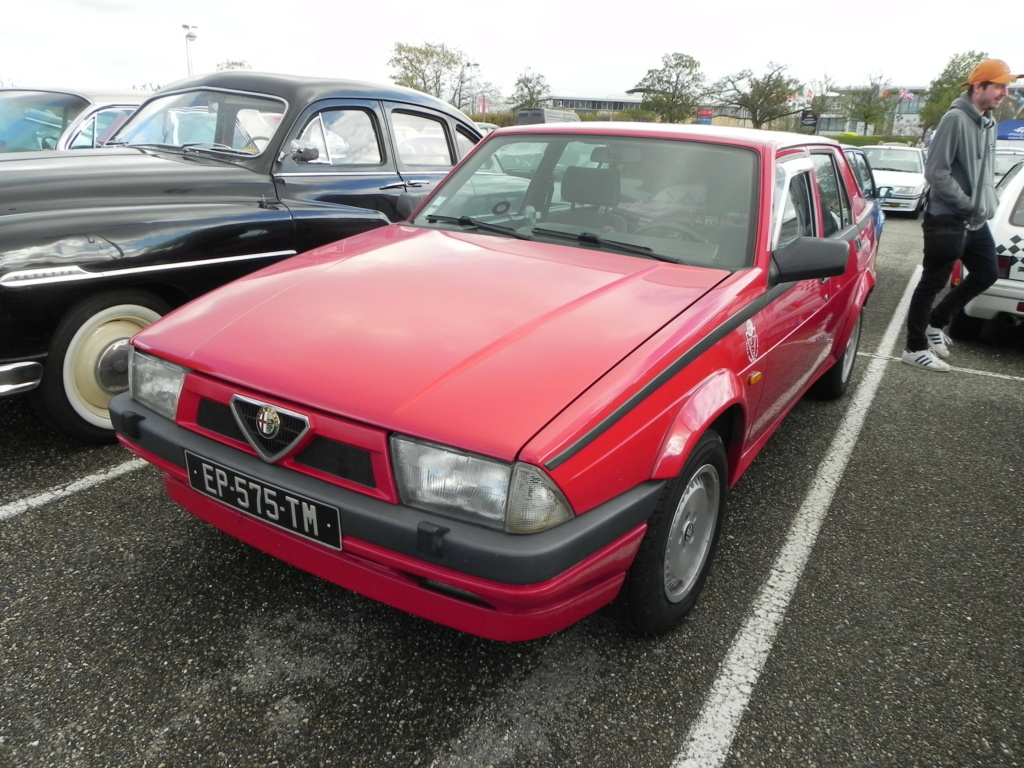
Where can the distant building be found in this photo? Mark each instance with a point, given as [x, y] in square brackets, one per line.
[590, 105]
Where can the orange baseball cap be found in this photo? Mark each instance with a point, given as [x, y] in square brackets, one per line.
[992, 71]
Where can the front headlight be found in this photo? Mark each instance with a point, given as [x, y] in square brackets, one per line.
[915, 191]
[514, 498]
[155, 383]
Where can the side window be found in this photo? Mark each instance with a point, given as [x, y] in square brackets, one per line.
[835, 205]
[86, 136]
[100, 127]
[1017, 215]
[345, 137]
[863, 173]
[463, 143]
[421, 142]
[798, 211]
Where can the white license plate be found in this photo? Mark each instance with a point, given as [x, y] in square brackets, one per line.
[285, 509]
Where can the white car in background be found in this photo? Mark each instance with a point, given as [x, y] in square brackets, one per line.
[1004, 301]
[34, 119]
[1006, 158]
[901, 167]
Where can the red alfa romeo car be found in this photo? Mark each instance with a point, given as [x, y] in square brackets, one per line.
[529, 400]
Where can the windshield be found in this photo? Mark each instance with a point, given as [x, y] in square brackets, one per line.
[903, 160]
[683, 201]
[33, 120]
[217, 120]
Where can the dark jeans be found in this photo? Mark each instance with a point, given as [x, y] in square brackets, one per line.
[941, 250]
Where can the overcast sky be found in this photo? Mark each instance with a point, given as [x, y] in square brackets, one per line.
[582, 49]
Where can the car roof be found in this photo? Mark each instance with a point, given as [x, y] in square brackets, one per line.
[94, 96]
[751, 137]
[893, 145]
[302, 89]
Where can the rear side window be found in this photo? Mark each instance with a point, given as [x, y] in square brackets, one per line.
[862, 173]
[422, 142]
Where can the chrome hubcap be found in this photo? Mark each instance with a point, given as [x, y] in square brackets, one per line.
[112, 368]
[691, 533]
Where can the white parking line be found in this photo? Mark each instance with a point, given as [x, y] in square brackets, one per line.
[952, 368]
[711, 736]
[56, 494]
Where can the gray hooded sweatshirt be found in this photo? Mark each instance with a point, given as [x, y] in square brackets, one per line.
[959, 166]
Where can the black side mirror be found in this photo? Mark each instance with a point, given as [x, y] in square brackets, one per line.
[882, 192]
[808, 258]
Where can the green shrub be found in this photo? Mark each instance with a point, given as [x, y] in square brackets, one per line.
[856, 140]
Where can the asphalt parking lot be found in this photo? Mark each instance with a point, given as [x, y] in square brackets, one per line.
[883, 530]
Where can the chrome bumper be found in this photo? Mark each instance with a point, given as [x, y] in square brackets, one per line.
[19, 377]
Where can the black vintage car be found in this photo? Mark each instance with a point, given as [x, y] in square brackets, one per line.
[213, 177]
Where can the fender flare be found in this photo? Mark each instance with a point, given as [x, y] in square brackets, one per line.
[701, 407]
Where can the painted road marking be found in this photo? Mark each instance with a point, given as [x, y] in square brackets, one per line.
[15, 508]
[711, 736]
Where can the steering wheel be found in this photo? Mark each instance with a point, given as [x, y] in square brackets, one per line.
[667, 231]
[252, 143]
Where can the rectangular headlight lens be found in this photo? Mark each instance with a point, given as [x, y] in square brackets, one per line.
[451, 483]
[155, 383]
[515, 498]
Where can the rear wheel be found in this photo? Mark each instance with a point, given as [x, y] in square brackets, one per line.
[87, 362]
[675, 556]
[836, 380]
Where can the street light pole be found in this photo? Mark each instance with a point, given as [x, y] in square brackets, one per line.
[190, 37]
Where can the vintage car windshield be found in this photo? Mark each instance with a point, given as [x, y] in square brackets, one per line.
[689, 202]
[217, 120]
[32, 120]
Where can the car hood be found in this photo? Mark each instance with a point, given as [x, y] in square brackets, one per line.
[466, 339]
[64, 180]
[898, 179]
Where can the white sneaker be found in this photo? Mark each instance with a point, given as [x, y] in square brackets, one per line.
[938, 341]
[926, 359]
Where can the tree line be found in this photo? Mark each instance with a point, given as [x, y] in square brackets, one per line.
[674, 91]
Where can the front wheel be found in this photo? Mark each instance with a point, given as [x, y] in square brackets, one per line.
[675, 556]
[87, 362]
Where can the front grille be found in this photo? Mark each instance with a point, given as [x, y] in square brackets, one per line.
[288, 427]
[217, 417]
[340, 460]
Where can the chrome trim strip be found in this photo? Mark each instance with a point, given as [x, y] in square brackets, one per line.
[311, 174]
[29, 277]
[19, 377]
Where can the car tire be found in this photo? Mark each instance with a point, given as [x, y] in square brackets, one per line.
[675, 556]
[964, 327]
[834, 382]
[87, 362]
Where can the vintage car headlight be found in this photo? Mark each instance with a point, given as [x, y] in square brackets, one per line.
[154, 382]
[516, 498]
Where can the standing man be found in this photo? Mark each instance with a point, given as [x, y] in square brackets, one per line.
[962, 200]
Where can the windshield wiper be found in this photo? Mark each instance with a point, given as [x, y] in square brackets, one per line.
[589, 238]
[469, 221]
